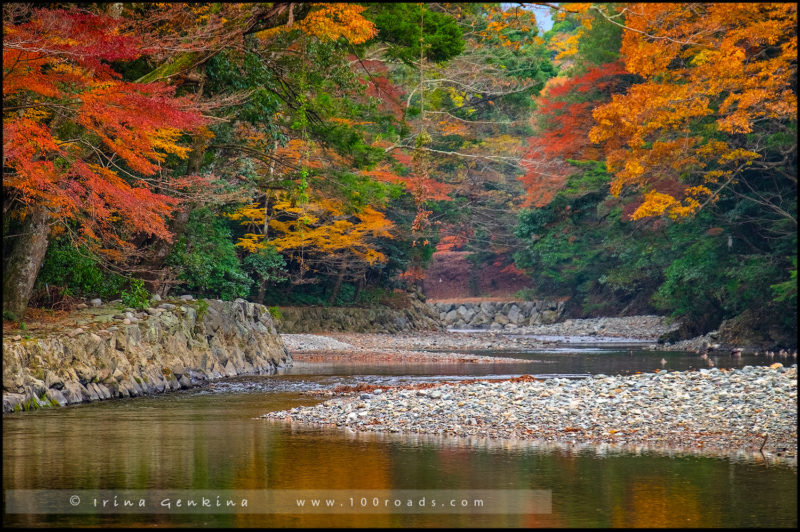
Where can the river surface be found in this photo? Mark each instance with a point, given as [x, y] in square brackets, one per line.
[212, 439]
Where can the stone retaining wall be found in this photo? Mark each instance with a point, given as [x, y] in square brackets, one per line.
[498, 315]
[166, 348]
[417, 316]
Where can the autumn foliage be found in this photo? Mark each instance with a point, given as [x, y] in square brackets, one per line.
[564, 111]
[719, 80]
[79, 141]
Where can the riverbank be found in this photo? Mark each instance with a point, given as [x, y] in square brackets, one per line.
[107, 352]
[717, 411]
[633, 329]
[364, 348]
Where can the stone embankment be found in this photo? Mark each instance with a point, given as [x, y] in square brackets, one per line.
[498, 315]
[414, 315]
[118, 353]
[720, 411]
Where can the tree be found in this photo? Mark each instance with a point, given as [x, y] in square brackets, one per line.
[82, 149]
[718, 96]
[565, 115]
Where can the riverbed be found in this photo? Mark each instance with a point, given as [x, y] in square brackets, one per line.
[214, 438]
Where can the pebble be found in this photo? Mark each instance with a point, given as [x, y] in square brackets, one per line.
[725, 411]
[313, 342]
[631, 328]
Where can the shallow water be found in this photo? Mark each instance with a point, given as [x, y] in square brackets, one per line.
[212, 438]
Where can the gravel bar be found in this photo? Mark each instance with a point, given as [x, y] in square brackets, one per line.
[714, 411]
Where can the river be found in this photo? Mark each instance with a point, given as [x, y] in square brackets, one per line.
[212, 439]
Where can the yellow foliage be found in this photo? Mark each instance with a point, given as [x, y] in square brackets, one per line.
[690, 55]
[320, 227]
[329, 22]
[166, 138]
[655, 204]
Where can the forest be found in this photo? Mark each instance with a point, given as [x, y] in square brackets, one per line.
[636, 158]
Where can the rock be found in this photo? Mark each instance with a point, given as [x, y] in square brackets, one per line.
[93, 366]
[514, 315]
[468, 314]
[548, 316]
[53, 380]
[96, 302]
[57, 397]
[81, 306]
[186, 297]
[488, 307]
[500, 319]
[155, 297]
[12, 402]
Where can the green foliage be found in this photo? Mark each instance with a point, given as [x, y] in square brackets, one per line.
[202, 308]
[275, 312]
[206, 258]
[228, 72]
[526, 294]
[601, 43]
[136, 296]
[77, 269]
[787, 290]
[399, 25]
[267, 264]
[702, 270]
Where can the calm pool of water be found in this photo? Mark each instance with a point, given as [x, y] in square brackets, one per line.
[212, 439]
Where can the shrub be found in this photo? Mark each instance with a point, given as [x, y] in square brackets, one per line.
[137, 295]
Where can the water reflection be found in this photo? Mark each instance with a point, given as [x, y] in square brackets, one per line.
[213, 438]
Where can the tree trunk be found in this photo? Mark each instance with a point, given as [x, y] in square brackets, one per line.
[23, 262]
[262, 288]
[337, 287]
[177, 225]
[359, 288]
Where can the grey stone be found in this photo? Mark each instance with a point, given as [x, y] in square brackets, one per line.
[12, 400]
[514, 315]
[500, 319]
[548, 316]
[57, 396]
[96, 302]
[53, 380]
[488, 307]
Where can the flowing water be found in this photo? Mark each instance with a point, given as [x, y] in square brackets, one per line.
[212, 439]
